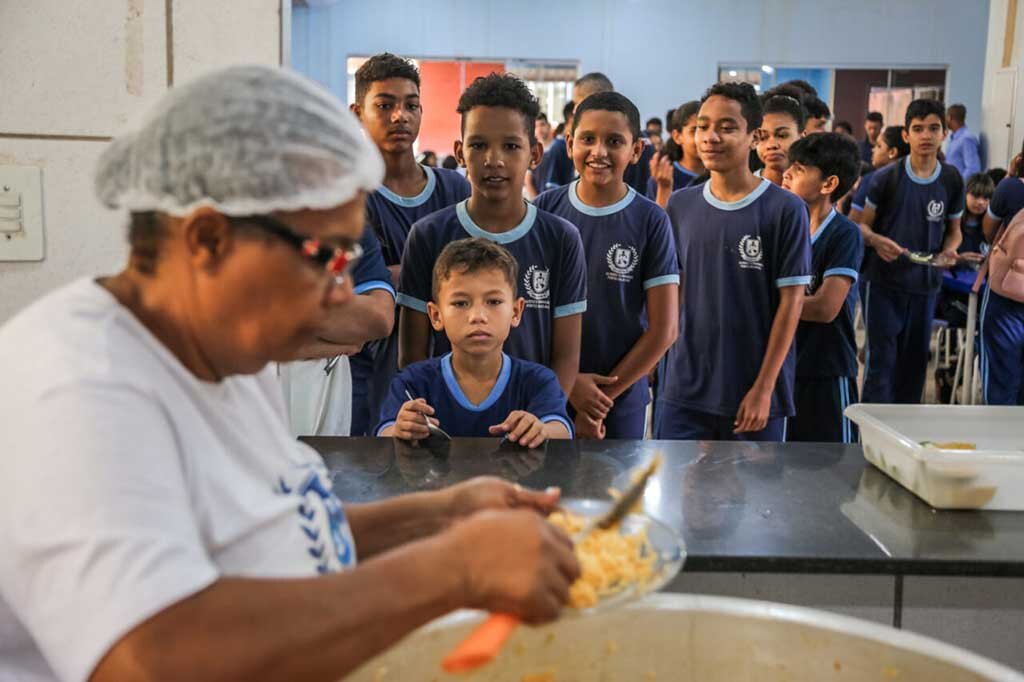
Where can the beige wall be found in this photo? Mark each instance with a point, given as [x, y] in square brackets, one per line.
[72, 74]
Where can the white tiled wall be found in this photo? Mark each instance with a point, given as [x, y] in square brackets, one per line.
[85, 69]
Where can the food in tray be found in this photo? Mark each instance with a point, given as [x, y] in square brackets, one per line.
[610, 561]
[949, 445]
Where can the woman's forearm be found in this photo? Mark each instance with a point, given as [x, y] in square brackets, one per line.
[380, 526]
[292, 630]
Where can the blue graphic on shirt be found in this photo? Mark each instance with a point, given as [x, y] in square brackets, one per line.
[313, 489]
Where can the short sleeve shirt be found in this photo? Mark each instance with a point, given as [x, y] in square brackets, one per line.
[521, 385]
[155, 484]
[552, 272]
[830, 349]
[915, 217]
[629, 249]
[734, 257]
[391, 215]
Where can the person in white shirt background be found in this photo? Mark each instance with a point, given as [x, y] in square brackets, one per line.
[158, 520]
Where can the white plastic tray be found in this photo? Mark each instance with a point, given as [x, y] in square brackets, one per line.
[991, 477]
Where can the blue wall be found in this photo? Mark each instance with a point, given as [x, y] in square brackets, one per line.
[658, 52]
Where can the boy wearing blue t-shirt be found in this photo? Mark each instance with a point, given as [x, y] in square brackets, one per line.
[497, 148]
[744, 252]
[823, 168]
[633, 273]
[476, 390]
[914, 205]
[387, 103]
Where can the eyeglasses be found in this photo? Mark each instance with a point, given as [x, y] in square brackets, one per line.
[333, 259]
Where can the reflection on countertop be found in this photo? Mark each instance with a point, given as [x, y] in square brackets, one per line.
[740, 507]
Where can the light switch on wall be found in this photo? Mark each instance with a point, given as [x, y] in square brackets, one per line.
[21, 213]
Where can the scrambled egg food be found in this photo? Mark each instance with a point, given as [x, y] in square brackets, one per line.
[610, 561]
[950, 445]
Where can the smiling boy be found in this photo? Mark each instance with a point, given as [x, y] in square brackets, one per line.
[633, 273]
[497, 148]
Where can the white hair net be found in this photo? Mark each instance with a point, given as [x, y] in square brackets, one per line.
[244, 140]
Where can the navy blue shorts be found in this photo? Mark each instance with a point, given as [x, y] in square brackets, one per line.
[372, 372]
[819, 411]
[899, 334]
[1002, 350]
[673, 422]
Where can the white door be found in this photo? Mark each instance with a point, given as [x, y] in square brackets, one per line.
[1001, 144]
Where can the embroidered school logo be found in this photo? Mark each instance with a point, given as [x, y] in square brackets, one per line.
[622, 260]
[536, 282]
[936, 209]
[750, 253]
[321, 518]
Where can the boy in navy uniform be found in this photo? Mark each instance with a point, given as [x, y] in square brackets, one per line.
[916, 206]
[497, 148]
[637, 174]
[633, 273]
[555, 168]
[476, 390]
[388, 105]
[823, 168]
[744, 251]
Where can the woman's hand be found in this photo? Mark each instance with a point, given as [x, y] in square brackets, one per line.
[514, 562]
[491, 493]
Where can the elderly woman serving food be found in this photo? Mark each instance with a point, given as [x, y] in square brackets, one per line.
[158, 520]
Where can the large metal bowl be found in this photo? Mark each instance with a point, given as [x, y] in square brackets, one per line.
[691, 638]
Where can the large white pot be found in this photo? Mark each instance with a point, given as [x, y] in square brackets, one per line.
[693, 638]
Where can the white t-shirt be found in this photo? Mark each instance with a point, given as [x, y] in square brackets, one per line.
[318, 394]
[128, 484]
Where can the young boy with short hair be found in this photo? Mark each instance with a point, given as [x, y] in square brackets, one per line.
[633, 273]
[387, 103]
[782, 125]
[744, 251]
[915, 206]
[476, 390]
[823, 167]
[497, 148]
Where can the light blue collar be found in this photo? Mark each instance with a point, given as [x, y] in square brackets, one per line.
[515, 233]
[682, 169]
[419, 199]
[453, 385]
[739, 203]
[824, 226]
[922, 181]
[587, 209]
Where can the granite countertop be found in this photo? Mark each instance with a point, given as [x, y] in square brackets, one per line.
[740, 507]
